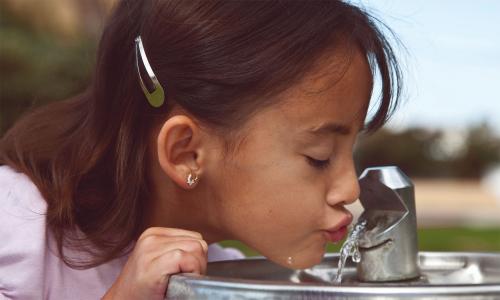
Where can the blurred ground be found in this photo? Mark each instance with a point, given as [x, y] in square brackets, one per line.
[452, 203]
[456, 203]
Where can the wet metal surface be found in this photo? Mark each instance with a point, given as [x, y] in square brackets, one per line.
[444, 275]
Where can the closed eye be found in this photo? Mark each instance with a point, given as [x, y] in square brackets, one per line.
[318, 164]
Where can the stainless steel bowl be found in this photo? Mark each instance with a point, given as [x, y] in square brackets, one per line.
[444, 275]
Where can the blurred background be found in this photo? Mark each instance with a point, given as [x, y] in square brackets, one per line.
[445, 136]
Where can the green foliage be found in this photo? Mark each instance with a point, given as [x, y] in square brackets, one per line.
[459, 239]
[37, 68]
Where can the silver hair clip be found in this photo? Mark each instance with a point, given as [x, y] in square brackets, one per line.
[157, 96]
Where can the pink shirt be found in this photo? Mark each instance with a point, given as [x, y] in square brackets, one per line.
[29, 265]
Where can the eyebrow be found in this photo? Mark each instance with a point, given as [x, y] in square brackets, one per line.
[331, 128]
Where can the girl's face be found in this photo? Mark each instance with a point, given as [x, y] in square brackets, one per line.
[293, 171]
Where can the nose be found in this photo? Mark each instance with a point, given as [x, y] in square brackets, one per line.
[344, 188]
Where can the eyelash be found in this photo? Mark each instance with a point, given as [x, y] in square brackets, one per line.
[318, 164]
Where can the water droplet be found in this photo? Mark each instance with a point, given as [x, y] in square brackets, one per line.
[356, 256]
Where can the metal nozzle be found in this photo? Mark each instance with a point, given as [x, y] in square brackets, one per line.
[388, 247]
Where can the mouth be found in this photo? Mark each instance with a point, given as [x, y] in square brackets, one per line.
[337, 235]
[339, 231]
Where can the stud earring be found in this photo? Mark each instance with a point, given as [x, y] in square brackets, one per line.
[191, 180]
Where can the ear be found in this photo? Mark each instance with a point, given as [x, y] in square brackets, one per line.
[180, 149]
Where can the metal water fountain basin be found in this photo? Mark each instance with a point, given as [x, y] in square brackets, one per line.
[444, 275]
[390, 265]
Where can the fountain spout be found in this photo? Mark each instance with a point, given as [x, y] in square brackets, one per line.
[388, 246]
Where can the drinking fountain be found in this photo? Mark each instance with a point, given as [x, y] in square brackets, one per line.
[388, 247]
[389, 267]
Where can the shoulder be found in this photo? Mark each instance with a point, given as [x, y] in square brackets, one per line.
[30, 266]
[18, 191]
[21, 204]
[23, 235]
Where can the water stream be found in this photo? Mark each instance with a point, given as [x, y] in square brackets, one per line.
[350, 248]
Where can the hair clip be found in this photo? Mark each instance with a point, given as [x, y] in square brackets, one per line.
[157, 96]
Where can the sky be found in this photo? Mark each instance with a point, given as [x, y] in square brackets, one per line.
[451, 61]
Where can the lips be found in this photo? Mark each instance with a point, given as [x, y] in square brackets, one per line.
[339, 231]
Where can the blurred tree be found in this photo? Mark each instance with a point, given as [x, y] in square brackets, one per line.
[402, 149]
[38, 67]
[482, 152]
[414, 151]
[68, 19]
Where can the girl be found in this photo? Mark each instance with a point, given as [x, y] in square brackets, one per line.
[205, 121]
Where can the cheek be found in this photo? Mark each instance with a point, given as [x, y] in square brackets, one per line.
[280, 193]
[273, 206]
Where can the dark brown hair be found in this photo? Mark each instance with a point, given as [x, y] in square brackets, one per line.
[220, 61]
